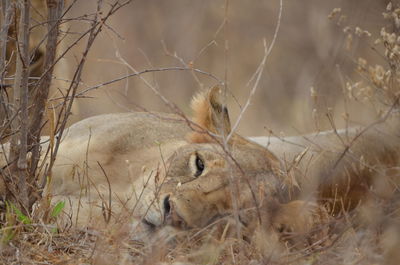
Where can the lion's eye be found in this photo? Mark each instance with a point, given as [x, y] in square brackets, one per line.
[199, 166]
[196, 164]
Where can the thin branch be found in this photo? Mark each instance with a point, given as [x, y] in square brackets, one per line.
[6, 18]
[96, 27]
[258, 73]
[382, 119]
[24, 33]
[136, 73]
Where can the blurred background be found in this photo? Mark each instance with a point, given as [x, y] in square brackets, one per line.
[311, 50]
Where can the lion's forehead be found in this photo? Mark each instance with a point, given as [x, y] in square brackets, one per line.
[211, 148]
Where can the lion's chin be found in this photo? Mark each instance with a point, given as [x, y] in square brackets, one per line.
[144, 231]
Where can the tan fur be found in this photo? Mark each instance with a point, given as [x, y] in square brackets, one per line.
[201, 109]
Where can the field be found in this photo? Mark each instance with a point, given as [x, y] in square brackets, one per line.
[289, 68]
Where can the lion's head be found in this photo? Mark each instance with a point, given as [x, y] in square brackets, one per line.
[211, 175]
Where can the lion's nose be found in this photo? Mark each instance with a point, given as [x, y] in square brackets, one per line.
[167, 206]
[171, 216]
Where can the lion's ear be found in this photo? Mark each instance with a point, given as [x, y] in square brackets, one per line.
[211, 114]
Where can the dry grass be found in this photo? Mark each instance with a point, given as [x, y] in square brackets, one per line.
[371, 242]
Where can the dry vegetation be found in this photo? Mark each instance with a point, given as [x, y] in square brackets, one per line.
[365, 90]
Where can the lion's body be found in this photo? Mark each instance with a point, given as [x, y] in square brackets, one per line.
[165, 170]
[134, 149]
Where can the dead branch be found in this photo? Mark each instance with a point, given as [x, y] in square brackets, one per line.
[18, 144]
[258, 73]
[55, 8]
[151, 71]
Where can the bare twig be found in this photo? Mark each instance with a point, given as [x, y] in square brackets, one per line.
[182, 61]
[382, 119]
[258, 73]
[138, 73]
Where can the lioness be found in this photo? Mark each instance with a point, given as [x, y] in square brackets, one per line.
[168, 170]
